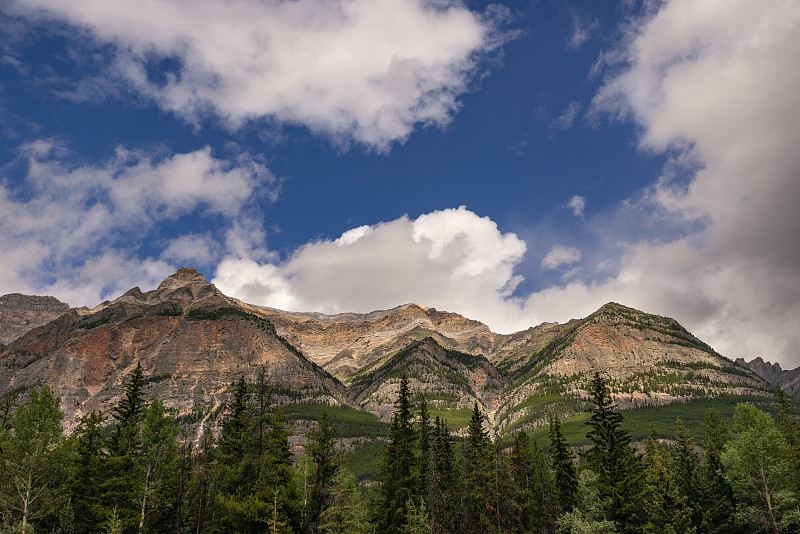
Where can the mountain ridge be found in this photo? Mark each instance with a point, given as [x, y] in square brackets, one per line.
[193, 342]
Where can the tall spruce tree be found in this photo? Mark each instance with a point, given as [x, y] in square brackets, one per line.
[534, 486]
[322, 450]
[121, 484]
[83, 487]
[564, 469]
[666, 506]
[424, 440]
[686, 463]
[611, 456]
[717, 502]
[252, 478]
[479, 482]
[399, 475]
[443, 481]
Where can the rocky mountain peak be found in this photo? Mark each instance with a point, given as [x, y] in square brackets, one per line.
[182, 277]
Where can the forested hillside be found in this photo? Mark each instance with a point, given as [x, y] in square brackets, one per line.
[134, 470]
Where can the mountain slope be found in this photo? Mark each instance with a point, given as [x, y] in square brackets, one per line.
[451, 381]
[345, 343]
[191, 341]
[648, 359]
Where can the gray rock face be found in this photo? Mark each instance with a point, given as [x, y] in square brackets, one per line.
[21, 313]
[789, 380]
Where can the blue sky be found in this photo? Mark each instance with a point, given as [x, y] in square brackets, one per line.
[515, 162]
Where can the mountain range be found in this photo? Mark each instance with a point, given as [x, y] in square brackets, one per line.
[193, 342]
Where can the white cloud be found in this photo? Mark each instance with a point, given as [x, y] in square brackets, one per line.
[451, 259]
[567, 118]
[577, 204]
[191, 249]
[65, 222]
[560, 255]
[581, 30]
[363, 70]
[716, 83]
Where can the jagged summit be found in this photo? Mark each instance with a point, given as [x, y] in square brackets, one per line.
[182, 277]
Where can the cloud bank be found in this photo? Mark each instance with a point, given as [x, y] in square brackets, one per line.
[75, 230]
[367, 71]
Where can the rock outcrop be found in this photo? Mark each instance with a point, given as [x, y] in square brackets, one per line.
[789, 380]
[20, 313]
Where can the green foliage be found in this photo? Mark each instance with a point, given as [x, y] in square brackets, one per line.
[399, 475]
[667, 507]
[322, 450]
[614, 460]
[33, 461]
[139, 474]
[564, 469]
[758, 465]
[588, 516]
[194, 313]
[350, 423]
[93, 322]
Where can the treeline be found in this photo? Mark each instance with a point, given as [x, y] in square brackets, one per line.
[136, 472]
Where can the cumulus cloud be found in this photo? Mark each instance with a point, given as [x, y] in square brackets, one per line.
[577, 204]
[64, 223]
[363, 70]
[451, 259]
[559, 256]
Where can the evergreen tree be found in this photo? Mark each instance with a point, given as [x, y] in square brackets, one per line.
[121, 484]
[32, 461]
[443, 482]
[564, 469]
[343, 515]
[83, 486]
[252, 472]
[399, 475]
[7, 402]
[686, 468]
[417, 519]
[322, 450]
[185, 484]
[479, 482]
[424, 440]
[200, 502]
[534, 483]
[717, 504]
[666, 506]
[614, 460]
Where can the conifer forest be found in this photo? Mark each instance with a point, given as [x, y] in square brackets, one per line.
[134, 470]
